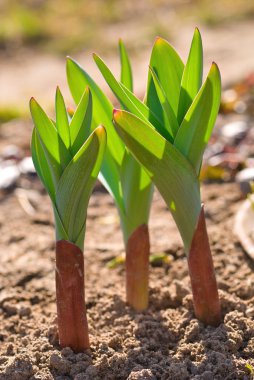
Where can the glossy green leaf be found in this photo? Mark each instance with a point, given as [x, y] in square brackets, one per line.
[78, 80]
[113, 173]
[41, 164]
[109, 177]
[61, 234]
[172, 121]
[168, 169]
[128, 99]
[168, 67]
[58, 152]
[62, 123]
[48, 171]
[137, 195]
[192, 76]
[126, 71]
[75, 185]
[147, 115]
[81, 122]
[198, 123]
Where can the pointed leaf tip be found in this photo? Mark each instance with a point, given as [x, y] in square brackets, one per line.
[215, 69]
[158, 40]
[33, 102]
[100, 130]
[116, 113]
[215, 66]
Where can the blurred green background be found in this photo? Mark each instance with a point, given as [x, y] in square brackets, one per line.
[36, 35]
[64, 26]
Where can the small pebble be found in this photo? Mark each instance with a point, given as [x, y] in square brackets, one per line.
[144, 374]
[235, 131]
[244, 177]
[9, 175]
[61, 364]
[24, 311]
[10, 309]
[250, 312]
[26, 166]
[11, 152]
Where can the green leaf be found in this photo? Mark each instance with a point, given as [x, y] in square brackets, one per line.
[172, 121]
[109, 177]
[62, 123]
[74, 189]
[59, 155]
[192, 76]
[78, 79]
[61, 234]
[168, 169]
[198, 123]
[168, 67]
[128, 99]
[41, 165]
[81, 122]
[126, 72]
[137, 195]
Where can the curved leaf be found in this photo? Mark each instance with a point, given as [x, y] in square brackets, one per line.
[198, 123]
[58, 152]
[126, 71]
[168, 67]
[128, 99]
[74, 190]
[81, 122]
[192, 76]
[41, 165]
[78, 79]
[168, 169]
[62, 123]
[137, 195]
[172, 121]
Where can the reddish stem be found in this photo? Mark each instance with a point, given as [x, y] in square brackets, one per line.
[70, 297]
[137, 268]
[203, 281]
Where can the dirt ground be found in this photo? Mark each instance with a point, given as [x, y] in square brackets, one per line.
[166, 341]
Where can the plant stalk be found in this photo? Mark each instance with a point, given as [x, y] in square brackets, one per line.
[137, 268]
[203, 282]
[70, 297]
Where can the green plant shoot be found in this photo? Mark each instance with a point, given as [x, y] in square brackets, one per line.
[123, 177]
[168, 135]
[67, 159]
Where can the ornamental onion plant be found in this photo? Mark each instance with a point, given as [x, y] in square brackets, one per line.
[67, 159]
[169, 142]
[124, 178]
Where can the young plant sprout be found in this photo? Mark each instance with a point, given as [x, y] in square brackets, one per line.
[168, 135]
[124, 178]
[67, 160]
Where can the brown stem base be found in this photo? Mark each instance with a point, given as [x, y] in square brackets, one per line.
[137, 268]
[71, 310]
[203, 281]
